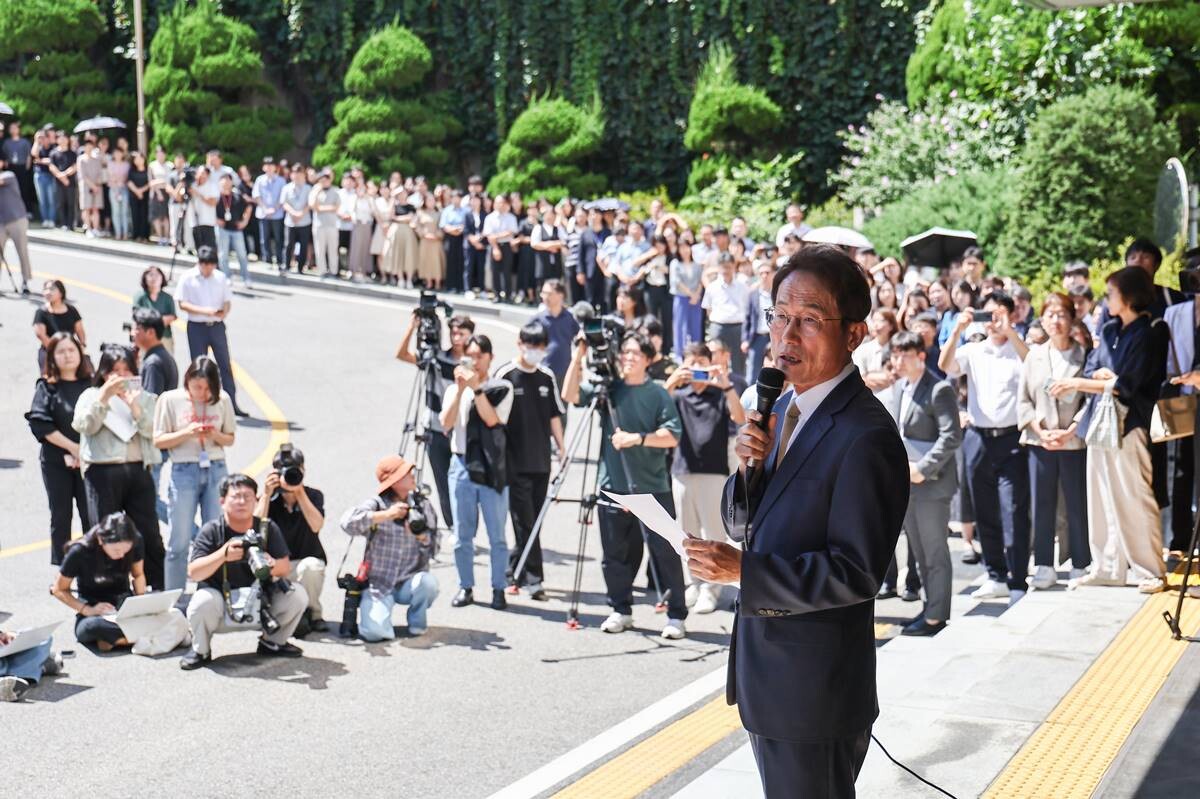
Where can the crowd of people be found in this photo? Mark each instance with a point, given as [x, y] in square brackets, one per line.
[1028, 431]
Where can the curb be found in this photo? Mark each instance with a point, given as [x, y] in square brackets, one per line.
[515, 314]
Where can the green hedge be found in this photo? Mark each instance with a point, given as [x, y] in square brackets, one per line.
[547, 148]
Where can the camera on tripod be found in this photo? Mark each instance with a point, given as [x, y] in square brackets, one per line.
[429, 331]
[289, 465]
[187, 180]
[603, 337]
[254, 555]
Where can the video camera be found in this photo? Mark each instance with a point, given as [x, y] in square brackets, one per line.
[254, 545]
[603, 337]
[289, 465]
[188, 180]
[429, 332]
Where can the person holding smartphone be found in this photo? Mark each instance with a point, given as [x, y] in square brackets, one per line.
[114, 419]
[194, 424]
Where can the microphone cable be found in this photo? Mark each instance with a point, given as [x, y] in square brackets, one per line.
[888, 755]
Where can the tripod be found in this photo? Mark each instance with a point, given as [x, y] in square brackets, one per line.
[426, 377]
[1173, 620]
[8, 269]
[588, 501]
[177, 239]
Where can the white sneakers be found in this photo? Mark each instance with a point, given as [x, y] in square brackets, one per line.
[991, 590]
[706, 600]
[617, 623]
[1151, 586]
[673, 630]
[1043, 577]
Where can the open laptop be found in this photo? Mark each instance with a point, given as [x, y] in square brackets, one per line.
[28, 639]
[146, 605]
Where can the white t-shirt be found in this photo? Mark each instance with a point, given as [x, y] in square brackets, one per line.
[202, 212]
[993, 374]
[869, 358]
[458, 436]
[175, 410]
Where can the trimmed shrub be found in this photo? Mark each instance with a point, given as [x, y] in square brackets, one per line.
[546, 147]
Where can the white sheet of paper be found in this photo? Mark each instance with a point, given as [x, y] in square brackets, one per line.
[119, 420]
[653, 515]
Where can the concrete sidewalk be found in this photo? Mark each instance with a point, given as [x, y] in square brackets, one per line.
[268, 275]
[956, 708]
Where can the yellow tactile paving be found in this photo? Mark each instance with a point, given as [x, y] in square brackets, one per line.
[636, 770]
[1068, 754]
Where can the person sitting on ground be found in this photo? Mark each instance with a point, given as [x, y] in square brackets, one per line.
[21, 671]
[398, 552]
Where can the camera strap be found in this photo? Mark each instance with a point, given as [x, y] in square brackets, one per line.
[366, 549]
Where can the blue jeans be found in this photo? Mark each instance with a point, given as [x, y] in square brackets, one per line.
[687, 321]
[28, 664]
[237, 240]
[44, 183]
[191, 488]
[118, 208]
[160, 506]
[469, 499]
[375, 613]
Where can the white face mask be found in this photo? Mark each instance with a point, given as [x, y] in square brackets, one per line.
[533, 356]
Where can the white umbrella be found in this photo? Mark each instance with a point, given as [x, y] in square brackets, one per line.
[5, 108]
[840, 236]
[98, 123]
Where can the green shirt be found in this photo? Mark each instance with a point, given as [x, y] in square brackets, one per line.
[645, 408]
[165, 305]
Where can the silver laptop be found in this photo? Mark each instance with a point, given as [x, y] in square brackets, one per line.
[147, 604]
[28, 639]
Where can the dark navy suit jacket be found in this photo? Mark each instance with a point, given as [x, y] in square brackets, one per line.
[802, 660]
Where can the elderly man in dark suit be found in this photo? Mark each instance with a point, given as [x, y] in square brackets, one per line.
[926, 410]
[819, 528]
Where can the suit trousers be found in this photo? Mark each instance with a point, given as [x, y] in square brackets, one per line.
[270, 241]
[731, 336]
[1123, 519]
[325, 245]
[622, 543]
[816, 770]
[595, 291]
[438, 450]
[1048, 470]
[18, 230]
[526, 493]
[300, 235]
[206, 615]
[203, 336]
[998, 475]
[128, 487]
[912, 577]
[925, 524]
[63, 486]
[502, 271]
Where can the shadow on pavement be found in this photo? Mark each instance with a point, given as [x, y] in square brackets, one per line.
[256, 423]
[1171, 774]
[437, 637]
[54, 690]
[309, 671]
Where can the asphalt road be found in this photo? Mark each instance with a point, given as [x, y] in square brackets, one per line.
[483, 699]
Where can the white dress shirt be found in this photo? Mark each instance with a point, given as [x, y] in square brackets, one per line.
[808, 402]
[993, 375]
[726, 303]
[207, 292]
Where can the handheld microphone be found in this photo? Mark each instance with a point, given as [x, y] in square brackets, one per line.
[770, 386]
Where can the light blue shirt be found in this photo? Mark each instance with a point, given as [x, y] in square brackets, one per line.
[267, 191]
[627, 253]
[453, 216]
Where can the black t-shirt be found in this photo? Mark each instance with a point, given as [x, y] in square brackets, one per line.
[536, 401]
[159, 371]
[57, 322]
[703, 444]
[63, 160]
[53, 409]
[213, 536]
[435, 388]
[98, 578]
[661, 369]
[230, 210]
[302, 541]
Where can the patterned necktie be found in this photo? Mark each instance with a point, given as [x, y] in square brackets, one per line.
[791, 419]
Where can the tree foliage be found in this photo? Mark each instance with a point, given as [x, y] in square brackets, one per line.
[50, 75]
[387, 123]
[1086, 178]
[757, 191]
[546, 151]
[204, 87]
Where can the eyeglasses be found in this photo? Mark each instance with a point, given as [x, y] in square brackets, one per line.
[809, 325]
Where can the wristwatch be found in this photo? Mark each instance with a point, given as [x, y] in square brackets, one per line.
[642, 443]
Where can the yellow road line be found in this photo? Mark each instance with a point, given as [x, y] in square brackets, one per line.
[638, 769]
[1067, 756]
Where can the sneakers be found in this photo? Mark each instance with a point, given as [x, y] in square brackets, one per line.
[991, 590]
[1151, 586]
[691, 595]
[13, 688]
[673, 630]
[617, 623]
[52, 666]
[1014, 597]
[1043, 577]
[1074, 578]
[284, 650]
[1095, 578]
[706, 601]
[193, 660]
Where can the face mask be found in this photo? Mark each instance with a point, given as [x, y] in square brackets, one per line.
[533, 357]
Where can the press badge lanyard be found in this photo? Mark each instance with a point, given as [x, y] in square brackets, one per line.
[204, 461]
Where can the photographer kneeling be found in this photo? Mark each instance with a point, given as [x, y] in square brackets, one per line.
[239, 585]
[395, 569]
[299, 512]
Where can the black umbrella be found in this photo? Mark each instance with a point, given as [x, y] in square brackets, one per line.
[937, 246]
[607, 204]
[99, 123]
[5, 108]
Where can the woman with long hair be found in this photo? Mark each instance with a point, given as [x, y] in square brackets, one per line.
[138, 185]
[153, 296]
[630, 306]
[105, 567]
[687, 293]
[66, 377]
[401, 249]
[431, 267]
[56, 316]
[115, 422]
[883, 296]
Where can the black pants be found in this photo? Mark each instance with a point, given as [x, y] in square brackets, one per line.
[452, 246]
[912, 578]
[439, 459]
[128, 487]
[476, 263]
[205, 336]
[1181, 493]
[66, 202]
[25, 186]
[998, 472]
[595, 291]
[818, 770]
[621, 540]
[658, 304]
[526, 493]
[1047, 470]
[299, 235]
[93, 629]
[63, 486]
[502, 272]
[270, 241]
[204, 235]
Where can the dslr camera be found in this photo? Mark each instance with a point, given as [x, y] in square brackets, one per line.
[289, 465]
[417, 523]
[353, 585]
[603, 337]
[254, 555]
[429, 330]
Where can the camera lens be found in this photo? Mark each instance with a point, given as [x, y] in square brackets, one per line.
[292, 475]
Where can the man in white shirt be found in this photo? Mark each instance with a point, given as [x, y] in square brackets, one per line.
[202, 213]
[327, 205]
[476, 403]
[499, 228]
[727, 301]
[204, 295]
[795, 224]
[997, 469]
[297, 220]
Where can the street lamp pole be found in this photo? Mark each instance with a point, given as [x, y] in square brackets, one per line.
[139, 69]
